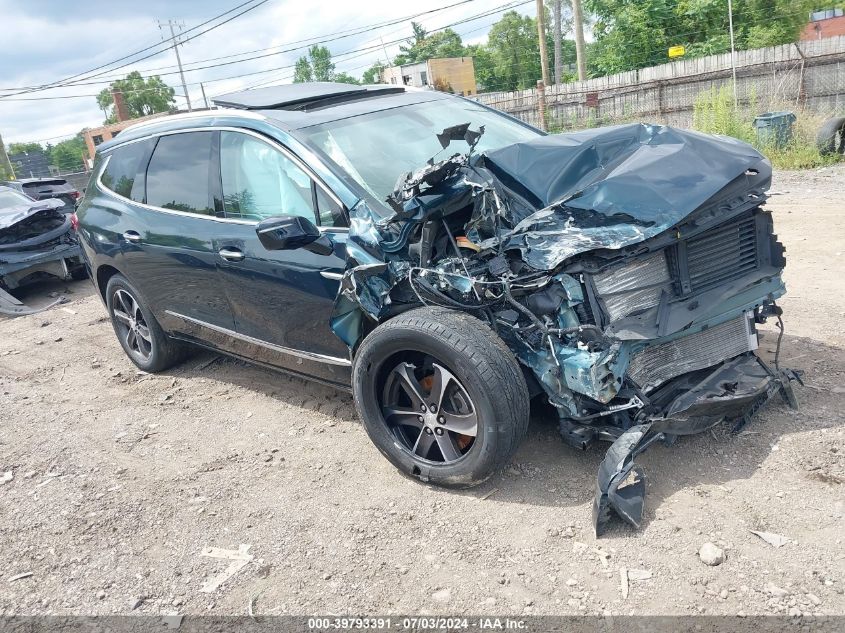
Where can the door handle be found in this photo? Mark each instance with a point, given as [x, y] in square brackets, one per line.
[132, 236]
[232, 254]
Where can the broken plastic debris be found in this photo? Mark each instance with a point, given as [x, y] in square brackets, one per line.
[240, 558]
[775, 540]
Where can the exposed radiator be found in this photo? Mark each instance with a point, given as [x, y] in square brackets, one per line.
[659, 363]
[722, 254]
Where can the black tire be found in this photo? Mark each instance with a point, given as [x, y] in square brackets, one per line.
[162, 351]
[829, 139]
[482, 367]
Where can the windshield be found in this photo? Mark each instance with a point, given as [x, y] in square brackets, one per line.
[377, 148]
[10, 198]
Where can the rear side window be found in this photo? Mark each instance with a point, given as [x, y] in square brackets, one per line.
[178, 173]
[125, 172]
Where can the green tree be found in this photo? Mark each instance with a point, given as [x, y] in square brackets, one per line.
[445, 43]
[317, 66]
[302, 71]
[345, 78]
[26, 148]
[631, 35]
[142, 96]
[408, 49]
[373, 74]
[69, 155]
[485, 68]
[514, 49]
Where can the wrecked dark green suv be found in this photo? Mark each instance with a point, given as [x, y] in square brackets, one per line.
[450, 263]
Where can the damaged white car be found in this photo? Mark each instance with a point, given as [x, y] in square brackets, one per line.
[37, 241]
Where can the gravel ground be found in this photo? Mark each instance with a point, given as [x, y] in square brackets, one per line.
[120, 480]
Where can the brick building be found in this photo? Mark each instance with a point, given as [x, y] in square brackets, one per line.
[822, 24]
[96, 135]
[449, 74]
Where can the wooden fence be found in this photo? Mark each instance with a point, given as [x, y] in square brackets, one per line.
[807, 75]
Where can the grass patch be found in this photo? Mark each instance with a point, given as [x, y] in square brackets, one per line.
[714, 113]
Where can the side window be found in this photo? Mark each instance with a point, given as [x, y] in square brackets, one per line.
[122, 173]
[178, 174]
[259, 181]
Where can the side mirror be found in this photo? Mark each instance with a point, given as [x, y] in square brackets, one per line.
[289, 232]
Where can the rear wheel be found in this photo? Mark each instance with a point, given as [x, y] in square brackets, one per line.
[441, 396]
[140, 335]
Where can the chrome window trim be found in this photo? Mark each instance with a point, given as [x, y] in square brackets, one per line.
[330, 360]
[222, 128]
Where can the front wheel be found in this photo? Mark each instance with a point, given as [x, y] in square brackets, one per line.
[441, 396]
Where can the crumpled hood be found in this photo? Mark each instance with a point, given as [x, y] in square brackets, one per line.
[612, 187]
[9, 216]
[550, 198]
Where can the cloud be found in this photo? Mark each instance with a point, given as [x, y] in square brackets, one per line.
[48, 40]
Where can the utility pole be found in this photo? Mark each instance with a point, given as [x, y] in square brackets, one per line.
[204, 98]
[541, 32]
[179, 62]
[580, 48]
[733, 49]
[558, 37]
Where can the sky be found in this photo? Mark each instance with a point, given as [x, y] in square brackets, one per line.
[49, 40]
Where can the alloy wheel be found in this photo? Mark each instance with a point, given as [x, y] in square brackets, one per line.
[131, 326]
[429, 411]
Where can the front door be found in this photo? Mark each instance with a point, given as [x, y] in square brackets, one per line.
[282, 300]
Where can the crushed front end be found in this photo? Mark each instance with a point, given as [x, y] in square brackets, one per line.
[627, 269]
[36, 240]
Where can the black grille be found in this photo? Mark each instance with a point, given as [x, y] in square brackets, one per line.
[722, 254]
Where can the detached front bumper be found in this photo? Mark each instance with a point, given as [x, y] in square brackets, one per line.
[16, 266]
[735, 389]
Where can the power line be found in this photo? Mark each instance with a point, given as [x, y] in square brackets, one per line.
[59, 83]
[363, 50]
[321, 39]
[352, 52]
[317, 39]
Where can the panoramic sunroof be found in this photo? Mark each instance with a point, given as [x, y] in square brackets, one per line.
[304, 96]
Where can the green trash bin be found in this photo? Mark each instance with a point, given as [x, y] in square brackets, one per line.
[774, 129]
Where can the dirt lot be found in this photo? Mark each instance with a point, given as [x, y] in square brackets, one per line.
[120, 479]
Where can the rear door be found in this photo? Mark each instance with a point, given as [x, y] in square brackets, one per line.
[282, 300]
[156, 223]
[179, 231]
